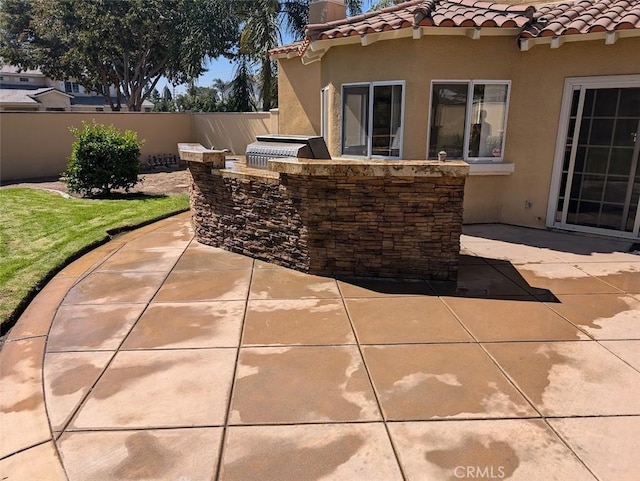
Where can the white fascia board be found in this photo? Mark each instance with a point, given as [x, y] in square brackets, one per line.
[609, 38]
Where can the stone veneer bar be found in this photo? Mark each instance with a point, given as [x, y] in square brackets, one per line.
[338, 217]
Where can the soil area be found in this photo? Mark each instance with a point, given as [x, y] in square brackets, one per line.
[159, 182]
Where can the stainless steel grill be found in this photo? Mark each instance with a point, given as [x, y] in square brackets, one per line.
[275, 146]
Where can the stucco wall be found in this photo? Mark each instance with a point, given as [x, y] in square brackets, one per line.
[299, 97]
[233, 131]
[537, 78]
[37, 144]
[534, 115]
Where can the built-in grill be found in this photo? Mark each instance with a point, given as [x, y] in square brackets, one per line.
[275, 146]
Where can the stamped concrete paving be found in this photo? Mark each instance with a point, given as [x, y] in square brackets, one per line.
[156, 358]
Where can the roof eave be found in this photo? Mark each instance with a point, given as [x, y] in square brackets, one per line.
[318, 48]
[609, 37]
[51, 90]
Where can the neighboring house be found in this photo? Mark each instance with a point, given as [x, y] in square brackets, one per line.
[543, 101]
[46, 98]
[31, 90]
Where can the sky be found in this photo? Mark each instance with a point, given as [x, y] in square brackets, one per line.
[224, 69]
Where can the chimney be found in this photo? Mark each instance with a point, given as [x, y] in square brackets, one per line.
[323, 11]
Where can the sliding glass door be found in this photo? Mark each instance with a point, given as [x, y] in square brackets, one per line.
[599, 184]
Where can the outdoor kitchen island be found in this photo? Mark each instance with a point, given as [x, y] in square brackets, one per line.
[335, 217]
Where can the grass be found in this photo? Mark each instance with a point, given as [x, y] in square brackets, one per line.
[41, 231]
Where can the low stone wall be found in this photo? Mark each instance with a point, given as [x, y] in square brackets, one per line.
[249, 216]
[335, 219]
[382, 226]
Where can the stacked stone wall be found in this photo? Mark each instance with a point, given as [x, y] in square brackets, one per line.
[380, 226]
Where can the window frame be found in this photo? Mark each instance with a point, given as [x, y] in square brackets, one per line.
[371, 86]
[324, 113]
[471, 83]
[74, 87]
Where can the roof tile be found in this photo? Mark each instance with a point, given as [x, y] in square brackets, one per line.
[554, 19]
[442, 13]
[584, 16]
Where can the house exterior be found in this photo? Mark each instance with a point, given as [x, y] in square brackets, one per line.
[31, 90]
[542, 101]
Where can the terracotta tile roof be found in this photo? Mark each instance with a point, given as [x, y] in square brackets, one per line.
[584, 16]
[426, 13]
[544, 20]
[297, 47]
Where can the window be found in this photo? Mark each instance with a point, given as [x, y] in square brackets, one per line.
[71, 87]
[24, 79]
[372, 119]
[468, 119]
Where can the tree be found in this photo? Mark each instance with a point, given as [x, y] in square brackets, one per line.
[166, 93]
[380, 4]
[162, 103]
[242, 97]
[127, 44]
[222, 89]
[265, 21]
[198, 99]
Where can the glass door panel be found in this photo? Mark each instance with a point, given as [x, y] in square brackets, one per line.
[599, 182]
[355, 118]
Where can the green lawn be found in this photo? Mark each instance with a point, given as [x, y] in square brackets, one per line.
[40, 231]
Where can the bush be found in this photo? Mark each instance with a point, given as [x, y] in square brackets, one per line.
[102, 159]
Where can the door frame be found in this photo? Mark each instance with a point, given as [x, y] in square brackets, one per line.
[570, 83]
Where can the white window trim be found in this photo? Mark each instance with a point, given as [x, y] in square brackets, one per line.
[570, 83]
[467, 132]
[371, 86]
[324, 113]
[491, 168]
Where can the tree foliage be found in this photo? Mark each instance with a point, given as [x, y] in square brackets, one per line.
[220, 97]
[242, 98]
[199, 99]
[129, 44]
[264, 23]
[380, 4]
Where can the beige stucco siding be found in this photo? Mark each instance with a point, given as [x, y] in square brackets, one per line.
[415, 62]
[299, 96]
[534, 115]
[537, 81]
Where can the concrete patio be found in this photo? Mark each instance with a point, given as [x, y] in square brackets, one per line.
[156, 358]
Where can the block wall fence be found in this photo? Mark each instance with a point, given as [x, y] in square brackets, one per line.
[37, 144]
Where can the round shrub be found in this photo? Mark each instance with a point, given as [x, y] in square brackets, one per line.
[102, 159]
